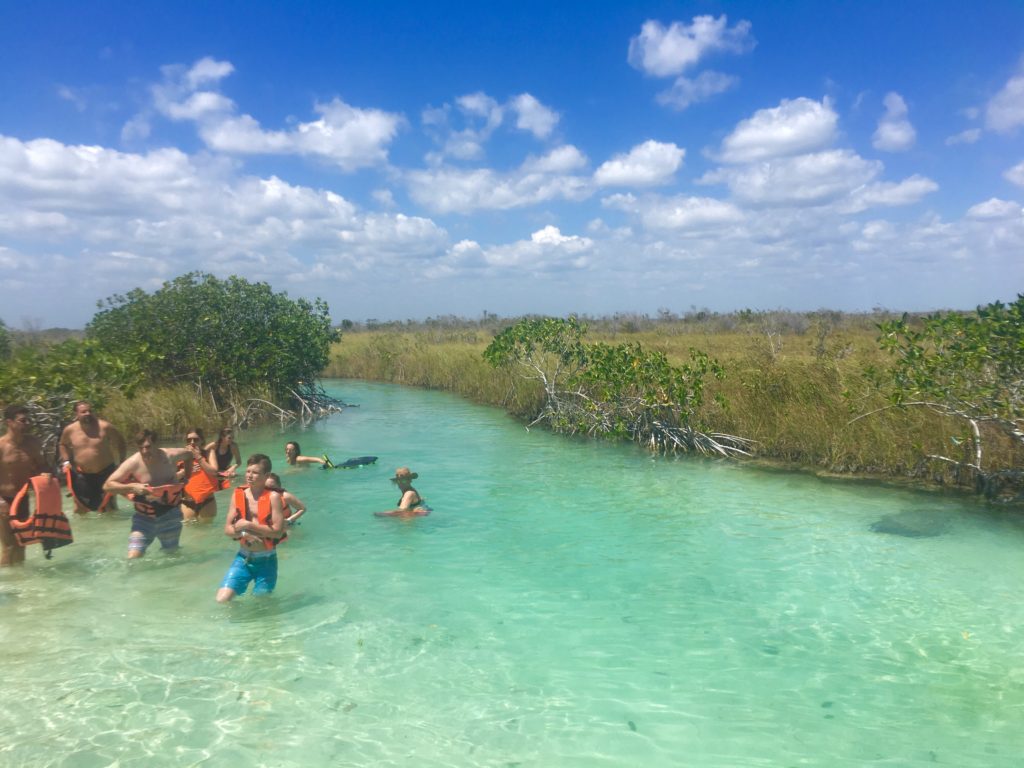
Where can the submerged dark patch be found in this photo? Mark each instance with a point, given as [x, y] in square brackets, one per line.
[913, 524]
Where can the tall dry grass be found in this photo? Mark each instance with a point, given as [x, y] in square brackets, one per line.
[173, 410]
[796, 389]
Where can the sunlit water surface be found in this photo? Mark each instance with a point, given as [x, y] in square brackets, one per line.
[567, 604]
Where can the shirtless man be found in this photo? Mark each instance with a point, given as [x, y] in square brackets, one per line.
[90, 448]
[21, 457]
[150, 480]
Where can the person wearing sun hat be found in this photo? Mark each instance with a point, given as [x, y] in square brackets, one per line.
[410, 504]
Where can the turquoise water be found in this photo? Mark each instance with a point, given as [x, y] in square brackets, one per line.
[567, 604]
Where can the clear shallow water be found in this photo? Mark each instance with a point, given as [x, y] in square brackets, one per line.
[567, 604]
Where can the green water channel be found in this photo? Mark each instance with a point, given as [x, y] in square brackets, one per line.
[568, 603]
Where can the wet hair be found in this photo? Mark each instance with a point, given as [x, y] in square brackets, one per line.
[224, 431]
[143, 434]
[262, 460]
[198, 431]
[11, 412]
[81, 402]
[297, 449]
[277, 480]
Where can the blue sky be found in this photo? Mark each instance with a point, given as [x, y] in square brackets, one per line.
[405, 160]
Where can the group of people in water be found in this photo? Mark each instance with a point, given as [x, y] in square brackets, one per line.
[167, 487]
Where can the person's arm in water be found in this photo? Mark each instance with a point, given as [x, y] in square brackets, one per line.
[309, 460]
[296, 505]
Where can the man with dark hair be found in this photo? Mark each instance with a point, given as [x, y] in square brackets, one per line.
[21, 457]
[256, 522]
[90, 449]
[149, 479]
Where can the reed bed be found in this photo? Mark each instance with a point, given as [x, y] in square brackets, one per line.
[796, 390]
[171, 411]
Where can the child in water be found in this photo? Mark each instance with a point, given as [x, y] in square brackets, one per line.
[410, 504]
[256, 521]
[293, 506]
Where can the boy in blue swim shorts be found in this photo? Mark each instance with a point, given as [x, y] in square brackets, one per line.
[256, 521]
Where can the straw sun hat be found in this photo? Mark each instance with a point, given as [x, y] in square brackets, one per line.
[404, 473]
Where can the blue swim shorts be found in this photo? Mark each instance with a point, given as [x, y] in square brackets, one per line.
[261, 569]
[166, 527]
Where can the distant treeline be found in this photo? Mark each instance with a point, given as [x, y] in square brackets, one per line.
[692, 321]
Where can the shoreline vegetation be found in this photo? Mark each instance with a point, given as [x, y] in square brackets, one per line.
[199, 351]
[818, 391]
[930, 400]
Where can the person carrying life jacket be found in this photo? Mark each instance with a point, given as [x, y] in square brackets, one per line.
[256, 522]
[150, 479]
[46, 524]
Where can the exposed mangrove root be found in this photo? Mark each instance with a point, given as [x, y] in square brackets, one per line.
[48, 422]
[311, 403]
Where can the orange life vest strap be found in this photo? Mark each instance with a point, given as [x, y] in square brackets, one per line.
[264, 514]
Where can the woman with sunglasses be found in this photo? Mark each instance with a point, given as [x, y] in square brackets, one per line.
[199, 503]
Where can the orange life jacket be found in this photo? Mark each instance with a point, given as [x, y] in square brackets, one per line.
[158, 499]
[47, 525]
[264, 515]
[201, 486]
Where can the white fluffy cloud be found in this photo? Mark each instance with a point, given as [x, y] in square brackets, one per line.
[889, 194]
[794, 127]
[533, 116]
[479, 116]
[686, 91]
[547, 251]
[647, 164]
[663, 51]
[681, 212]
[563, 159]
[894, 132]
[995, 208]
[1004, 112]
[812, 179]
[101, 212]
[1015, 175]
[349, 137]
[345, 136]
[968, 136]
[454, 190]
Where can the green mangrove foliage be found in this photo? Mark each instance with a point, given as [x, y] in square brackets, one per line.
[967, 366]
[5, 342]
[49, 379]
[613, 390]
[222, 335]
[235, 342]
